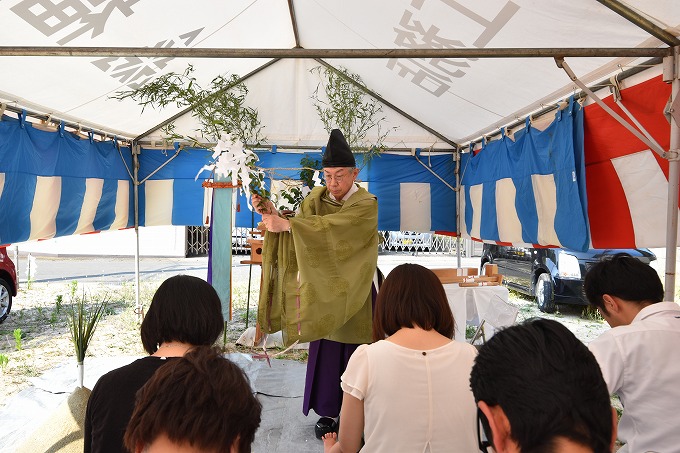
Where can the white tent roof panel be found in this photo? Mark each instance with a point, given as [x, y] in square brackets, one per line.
[458, 98]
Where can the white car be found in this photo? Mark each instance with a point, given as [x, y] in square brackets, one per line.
[409, 240]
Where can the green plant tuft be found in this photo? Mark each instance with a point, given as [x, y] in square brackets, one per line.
[82, 322]
[590, 312]
[17, 339]
[73, 288]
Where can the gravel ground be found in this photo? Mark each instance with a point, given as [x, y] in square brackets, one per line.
[45, 338]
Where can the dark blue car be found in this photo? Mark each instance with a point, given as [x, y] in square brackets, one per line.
[553, 276]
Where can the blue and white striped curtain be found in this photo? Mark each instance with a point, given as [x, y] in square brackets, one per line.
[410, 196]
[530, 191]
[56, 183]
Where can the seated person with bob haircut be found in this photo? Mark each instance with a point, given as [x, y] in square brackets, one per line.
[540, 390]
[185, 312]
[408, 391]
[200, 403]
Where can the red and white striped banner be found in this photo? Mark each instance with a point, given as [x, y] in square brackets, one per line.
[627, 183]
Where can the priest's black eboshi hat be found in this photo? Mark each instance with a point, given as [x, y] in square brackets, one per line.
[338, 153]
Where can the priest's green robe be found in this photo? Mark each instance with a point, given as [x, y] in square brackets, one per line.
[316, 279]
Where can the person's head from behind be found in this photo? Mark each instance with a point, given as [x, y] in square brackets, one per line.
[412, 296]
[538, 388]
[185, 309]
[200, 402]
[622, 280]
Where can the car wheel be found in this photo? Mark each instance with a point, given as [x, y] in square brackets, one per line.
[5, 299]
[545, 293]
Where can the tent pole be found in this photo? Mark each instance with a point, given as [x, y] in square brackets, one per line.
[135, 182]
[651, 143]
[520, 117]
[459, 235]
[642, 22]
[671, 74]
[296, 33]
[331, 54]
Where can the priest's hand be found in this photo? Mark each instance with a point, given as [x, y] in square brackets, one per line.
[262, 206]
[275, 224]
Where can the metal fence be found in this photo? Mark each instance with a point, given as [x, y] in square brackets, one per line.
[389, 241]
[197, 240]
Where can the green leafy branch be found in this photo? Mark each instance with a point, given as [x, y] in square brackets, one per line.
[341, 103]
[219, 109]
[222, 114]
[296, 191]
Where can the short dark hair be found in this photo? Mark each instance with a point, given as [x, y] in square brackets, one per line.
[412, 295]
[625, 277]
[548, 384]
[201, 398]
[185, 309]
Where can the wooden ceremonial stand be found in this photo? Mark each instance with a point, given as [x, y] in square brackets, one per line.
[256, 243]
[467, 277]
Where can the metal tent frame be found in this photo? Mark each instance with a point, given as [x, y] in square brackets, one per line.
[671, 70]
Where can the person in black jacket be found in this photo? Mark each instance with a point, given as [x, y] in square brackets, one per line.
[185, 312]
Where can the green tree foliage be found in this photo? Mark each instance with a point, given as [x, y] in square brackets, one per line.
[219, 108]
[341, 103]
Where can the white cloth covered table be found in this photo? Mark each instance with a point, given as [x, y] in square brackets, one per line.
[479, 302]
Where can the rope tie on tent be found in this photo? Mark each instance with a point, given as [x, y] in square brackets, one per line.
[178, 149]
[615, 89]
[415, 152]
[22, 119]
[472, 153]
[673, 155]
[117, 145]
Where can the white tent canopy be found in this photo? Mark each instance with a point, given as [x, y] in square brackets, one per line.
[456, 100]
[447, 71]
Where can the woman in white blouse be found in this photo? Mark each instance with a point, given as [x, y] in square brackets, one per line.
[410, 390]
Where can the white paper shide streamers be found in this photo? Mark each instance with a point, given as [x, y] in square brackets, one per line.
[231, 160]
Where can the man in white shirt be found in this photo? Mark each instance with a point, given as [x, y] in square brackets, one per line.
[640, 356]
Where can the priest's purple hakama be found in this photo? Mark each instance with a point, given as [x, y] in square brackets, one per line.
[326, 362]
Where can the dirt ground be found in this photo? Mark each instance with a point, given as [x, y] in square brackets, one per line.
[35, 337]
[39, 318]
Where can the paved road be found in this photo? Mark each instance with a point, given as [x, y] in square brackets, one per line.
[122, 269]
